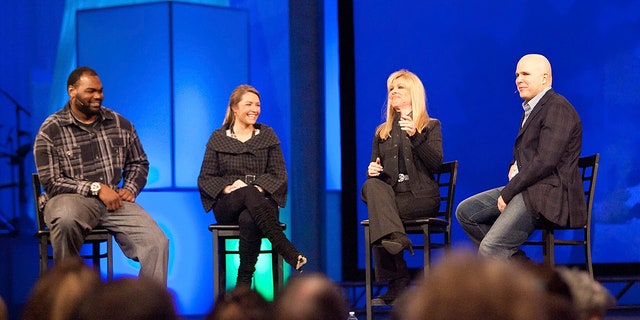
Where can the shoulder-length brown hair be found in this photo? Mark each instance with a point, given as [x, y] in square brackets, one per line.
[234, 99]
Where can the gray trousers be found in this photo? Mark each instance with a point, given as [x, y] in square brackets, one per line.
[387, 207]
[70, 217]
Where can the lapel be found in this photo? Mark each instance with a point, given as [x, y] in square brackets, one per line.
[538, 108]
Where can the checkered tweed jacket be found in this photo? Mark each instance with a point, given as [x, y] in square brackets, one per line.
[227, 159]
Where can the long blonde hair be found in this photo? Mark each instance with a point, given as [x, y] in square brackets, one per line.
[418, 103]
[234, 99]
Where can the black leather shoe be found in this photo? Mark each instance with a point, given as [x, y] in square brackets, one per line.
[397, 243]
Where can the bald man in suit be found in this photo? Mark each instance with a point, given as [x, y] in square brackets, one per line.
[544, 186]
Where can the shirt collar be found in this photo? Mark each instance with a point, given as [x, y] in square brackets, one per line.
[534, 101]
[66, 118]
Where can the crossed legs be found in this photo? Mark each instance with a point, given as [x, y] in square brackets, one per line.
[495, 234]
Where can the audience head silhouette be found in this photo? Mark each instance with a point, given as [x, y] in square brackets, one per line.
[311, 297]
[129, 298]
[241, 303]
[590, 298]
[57, 293]
[466, 287]
[4, 312]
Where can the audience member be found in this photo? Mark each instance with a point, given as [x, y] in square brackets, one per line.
[241, 303]
[4, 312]
[56, 294]
[591, 299]
[559, 301]
[129, 298]
[586, 298]
[311, 297]
[469, 287]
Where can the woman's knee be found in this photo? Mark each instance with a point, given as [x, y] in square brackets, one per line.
[372, 187]
[245, 221]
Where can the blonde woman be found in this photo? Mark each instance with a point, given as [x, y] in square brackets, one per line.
[407, 149]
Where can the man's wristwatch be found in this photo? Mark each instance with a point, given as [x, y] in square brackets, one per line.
[95, 188]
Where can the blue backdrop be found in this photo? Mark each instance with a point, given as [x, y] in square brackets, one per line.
[465, 52]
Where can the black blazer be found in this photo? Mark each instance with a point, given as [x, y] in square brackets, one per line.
[423, 156]
[547, 150]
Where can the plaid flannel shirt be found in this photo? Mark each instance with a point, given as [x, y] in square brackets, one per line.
[70, 155]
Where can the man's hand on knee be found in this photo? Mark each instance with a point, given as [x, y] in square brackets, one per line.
[110, 198]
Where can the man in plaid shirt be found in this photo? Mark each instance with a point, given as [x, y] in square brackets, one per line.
[83, 153]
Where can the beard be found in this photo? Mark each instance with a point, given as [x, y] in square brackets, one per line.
[85, 108]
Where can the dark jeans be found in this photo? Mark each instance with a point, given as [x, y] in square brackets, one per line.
[496, 234]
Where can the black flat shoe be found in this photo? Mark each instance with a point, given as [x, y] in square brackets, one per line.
[397, 243]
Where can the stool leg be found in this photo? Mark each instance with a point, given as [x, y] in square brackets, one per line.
[277, 271]
[110, 258]
[44, 255]
[587, 254]
[216, 263]
[368, 279]
[427, 249]
[95, 256]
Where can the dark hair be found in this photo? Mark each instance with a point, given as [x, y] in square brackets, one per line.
[77, 73]
[57, 293]
[241, 303]
[311, 297]
[129, 298]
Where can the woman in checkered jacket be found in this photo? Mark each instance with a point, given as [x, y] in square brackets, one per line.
[244, 180]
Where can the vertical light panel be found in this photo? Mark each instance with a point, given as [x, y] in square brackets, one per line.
[129, 48]
[179, 214]
[210, 58]
[169, 68]
[262, 278]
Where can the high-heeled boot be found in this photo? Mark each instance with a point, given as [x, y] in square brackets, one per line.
[265, 218]
[249, 251]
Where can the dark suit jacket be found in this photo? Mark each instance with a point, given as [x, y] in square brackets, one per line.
[547, 150]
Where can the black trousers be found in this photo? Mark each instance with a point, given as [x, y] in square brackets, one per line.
[387, 206]
[239, 207]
